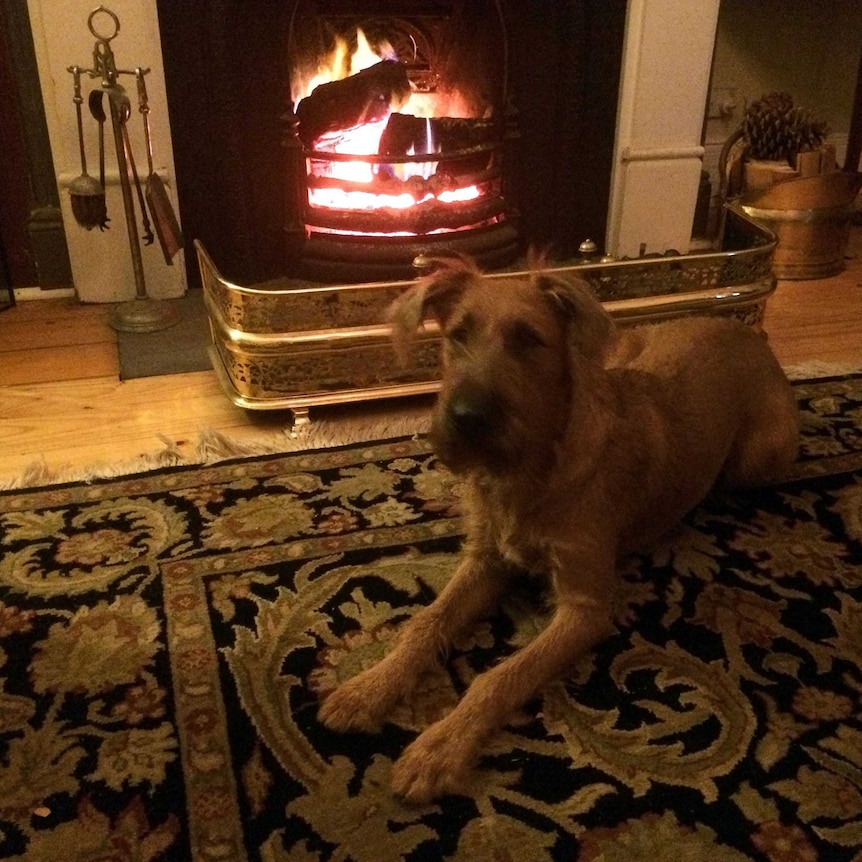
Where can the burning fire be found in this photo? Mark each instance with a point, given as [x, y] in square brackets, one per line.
[364, 140]
[340, 64]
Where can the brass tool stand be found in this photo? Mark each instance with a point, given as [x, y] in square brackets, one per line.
[141, 314]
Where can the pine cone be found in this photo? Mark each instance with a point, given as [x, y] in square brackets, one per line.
[775, 129]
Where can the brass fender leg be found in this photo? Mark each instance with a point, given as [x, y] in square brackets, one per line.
[300, 418]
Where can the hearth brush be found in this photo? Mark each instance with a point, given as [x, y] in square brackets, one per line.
[86, 192]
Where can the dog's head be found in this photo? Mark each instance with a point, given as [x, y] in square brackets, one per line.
[512, 349]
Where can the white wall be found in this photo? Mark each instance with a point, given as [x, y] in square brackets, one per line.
[810, 49]
[101, 261]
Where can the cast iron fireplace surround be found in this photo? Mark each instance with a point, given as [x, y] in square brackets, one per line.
[228, 68]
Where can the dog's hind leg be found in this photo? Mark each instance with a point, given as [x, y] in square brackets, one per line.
[767, 444]
[362, 703]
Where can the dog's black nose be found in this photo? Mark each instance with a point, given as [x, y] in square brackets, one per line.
[473, 415]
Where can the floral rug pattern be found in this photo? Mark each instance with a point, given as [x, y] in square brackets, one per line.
[165, 639]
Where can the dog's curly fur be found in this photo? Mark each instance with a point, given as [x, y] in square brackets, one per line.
[579, 442]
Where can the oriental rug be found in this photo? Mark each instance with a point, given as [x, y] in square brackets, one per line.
[165, 639]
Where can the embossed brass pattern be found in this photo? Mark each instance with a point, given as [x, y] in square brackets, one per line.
[288, 344]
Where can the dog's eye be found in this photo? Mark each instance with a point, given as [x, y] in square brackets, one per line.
[522, 337]
[460, 333]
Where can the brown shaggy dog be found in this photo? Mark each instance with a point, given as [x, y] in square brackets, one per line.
[578, 443]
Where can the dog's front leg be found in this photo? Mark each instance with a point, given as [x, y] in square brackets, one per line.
[440, 759]
[363, 702]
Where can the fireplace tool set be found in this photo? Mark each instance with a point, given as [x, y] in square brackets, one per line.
[142, 314]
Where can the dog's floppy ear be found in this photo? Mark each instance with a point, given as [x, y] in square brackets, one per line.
[592, 330]
[436, 294]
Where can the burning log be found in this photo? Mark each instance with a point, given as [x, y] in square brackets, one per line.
[405, 133]
[383, 184]
[417, 187]
[365, 97]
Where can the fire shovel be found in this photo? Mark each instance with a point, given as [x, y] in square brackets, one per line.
[164, 220]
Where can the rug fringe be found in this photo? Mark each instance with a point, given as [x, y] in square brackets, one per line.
[214, 446]
[821, 370]
[38, 473]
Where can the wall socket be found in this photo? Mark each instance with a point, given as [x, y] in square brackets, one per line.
[723, 104]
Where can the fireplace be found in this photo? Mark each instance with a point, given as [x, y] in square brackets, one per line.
[396, 146]
[571, 140]
[524, 107]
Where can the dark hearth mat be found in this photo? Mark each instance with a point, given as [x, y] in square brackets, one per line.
[176, 350]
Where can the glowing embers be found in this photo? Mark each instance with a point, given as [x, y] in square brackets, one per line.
[356, 200]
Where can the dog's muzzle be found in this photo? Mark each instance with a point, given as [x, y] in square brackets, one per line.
[468, 426]
[473, 418]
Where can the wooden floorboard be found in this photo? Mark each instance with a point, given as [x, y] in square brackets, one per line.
[819, 320]
[68, 362]
[821, 323]
[103, 420]
[61, 400]
[43, 341]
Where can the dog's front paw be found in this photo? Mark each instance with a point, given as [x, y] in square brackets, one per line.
[436, 763]
[357, 705]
